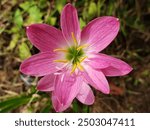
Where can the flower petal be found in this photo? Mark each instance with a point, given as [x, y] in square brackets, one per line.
[66, 88]
[39, 65]
[45, 37]
[110, 66]
[86, 95]
[100, 32]
[97, 63]
[46, 83]
[96, 79]
[70, 23]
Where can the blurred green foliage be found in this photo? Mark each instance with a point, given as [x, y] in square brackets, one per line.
[15, 15]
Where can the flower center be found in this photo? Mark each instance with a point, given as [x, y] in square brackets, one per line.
[74, 55]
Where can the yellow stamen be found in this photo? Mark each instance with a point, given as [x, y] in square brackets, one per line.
[74, 39]
[80, 66]
[62, 61]
[83, 46]
[83, 58]
[60, 50]
[73, 68]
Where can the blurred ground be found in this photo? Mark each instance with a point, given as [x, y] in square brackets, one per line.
[129, 93]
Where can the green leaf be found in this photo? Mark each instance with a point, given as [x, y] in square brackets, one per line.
[75, 106]
[13, 103]
[92, 11]
[18, 20]
[13, 43]
[47, 108]
[60, 4]
[111, 9]
[35, 16]
[85, 109]
[42, 3]
[1, 29]
[24, 51]
[26, 5]
[82, 23]
[52, 20]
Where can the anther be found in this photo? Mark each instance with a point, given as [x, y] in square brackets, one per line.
[73, 68]
[61, 61]
[80, 66]
[83, 58]
[74, 39]
[60, 50]
[83, 46]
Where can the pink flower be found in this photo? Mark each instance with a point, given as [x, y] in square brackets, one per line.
[69, 59]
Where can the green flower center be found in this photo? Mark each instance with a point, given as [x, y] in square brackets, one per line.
[74, 55]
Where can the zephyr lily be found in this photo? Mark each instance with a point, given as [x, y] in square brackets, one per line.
[70, 60]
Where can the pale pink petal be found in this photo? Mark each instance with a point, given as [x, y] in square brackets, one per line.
[100, 32]
[67, 86]
[45, 37]
[96, 79]
[70, 23]
[109, 65]
[39, 65]
[85, 94]
[46, 83]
